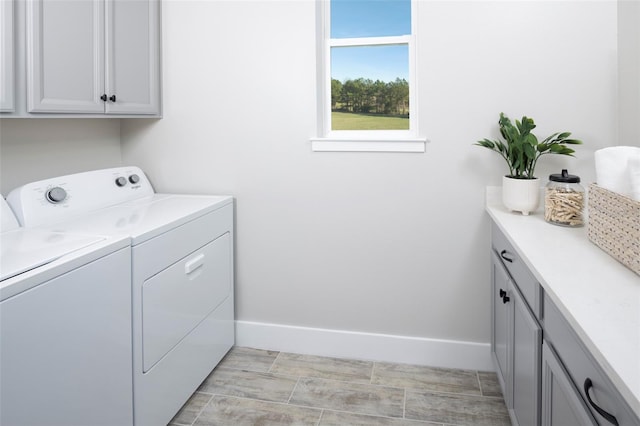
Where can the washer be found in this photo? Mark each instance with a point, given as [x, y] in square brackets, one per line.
[65, 327]
[181, 270]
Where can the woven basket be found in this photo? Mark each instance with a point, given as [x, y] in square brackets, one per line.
[614, 225]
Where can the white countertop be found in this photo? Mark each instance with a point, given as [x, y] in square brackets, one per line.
[599, 297]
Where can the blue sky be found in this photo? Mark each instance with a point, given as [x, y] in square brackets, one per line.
[370, 18]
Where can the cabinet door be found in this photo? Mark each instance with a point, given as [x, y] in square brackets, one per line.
[133, 57]
[527, 342]
[65, 56]
[7, 63]
[561, 403]
[501, 326]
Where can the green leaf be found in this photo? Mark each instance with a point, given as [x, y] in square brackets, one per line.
[550, 137]
[531, 139]
[561, 149]
[542, 147]
[486, 143]
[527, 125]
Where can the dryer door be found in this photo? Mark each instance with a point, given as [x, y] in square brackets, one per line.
[177, 299]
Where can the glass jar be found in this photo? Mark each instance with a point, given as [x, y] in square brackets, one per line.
[564, 200]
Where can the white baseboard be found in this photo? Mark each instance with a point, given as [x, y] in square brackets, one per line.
[366, 346]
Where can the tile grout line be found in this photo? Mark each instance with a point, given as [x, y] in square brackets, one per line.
[479, 383]
[404, 404]
[293, 390]
[202, 409]
[360, 413]
[274, 362]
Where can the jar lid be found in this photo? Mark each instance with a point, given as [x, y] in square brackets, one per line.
[564, 177]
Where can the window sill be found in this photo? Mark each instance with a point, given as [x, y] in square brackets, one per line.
[368, 145]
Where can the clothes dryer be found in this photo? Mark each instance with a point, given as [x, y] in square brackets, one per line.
[182, 273]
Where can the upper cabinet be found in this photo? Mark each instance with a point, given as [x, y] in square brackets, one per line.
[65, 56]
[93, 56]
[85, 58]
[7, 63]
[132, 34]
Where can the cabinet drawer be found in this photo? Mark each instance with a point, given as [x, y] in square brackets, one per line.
[582, 368]
[525, 281]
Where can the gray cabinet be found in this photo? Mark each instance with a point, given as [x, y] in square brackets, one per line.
[516, 342]
[133, 57]
[527, 342]
[501, 314]
[561, 404]
[7, 55]
[600, 396]
[93, 56]
[550, 380]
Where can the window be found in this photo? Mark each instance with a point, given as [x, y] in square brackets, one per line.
[367, 77]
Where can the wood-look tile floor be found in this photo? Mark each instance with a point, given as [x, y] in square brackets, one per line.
[257, 387]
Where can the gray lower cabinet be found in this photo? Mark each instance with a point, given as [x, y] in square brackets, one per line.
[548, 376]
[516, 345]
[93, 56]
[561, 404]
[7, 63]
[527, 342]
[598, 393]
[501, 327]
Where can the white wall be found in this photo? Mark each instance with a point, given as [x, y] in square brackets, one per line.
[33, 149]
[381, 243]
[629, 72]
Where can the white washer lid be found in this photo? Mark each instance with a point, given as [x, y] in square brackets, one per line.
[24, 249]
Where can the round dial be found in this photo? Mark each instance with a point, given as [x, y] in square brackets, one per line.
[121, 181]
[134, 179]
[56, 195]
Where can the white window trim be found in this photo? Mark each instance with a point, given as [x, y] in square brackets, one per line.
[366, 140]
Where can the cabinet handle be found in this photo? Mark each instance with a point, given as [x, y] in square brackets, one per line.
[504, 296]
[112, 98]
[502, 255]
[104, 98]
[588, 384]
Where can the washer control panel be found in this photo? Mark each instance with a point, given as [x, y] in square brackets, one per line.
[54, 199]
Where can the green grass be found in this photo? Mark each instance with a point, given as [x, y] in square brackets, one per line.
[352, 121]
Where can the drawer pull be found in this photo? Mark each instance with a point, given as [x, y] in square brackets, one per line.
[588, 384]
[504, 296]
[194, 264]
[503, 255]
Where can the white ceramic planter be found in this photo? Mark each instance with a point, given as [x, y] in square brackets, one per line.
[521, 195]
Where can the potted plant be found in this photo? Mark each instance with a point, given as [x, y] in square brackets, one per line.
[522, 150]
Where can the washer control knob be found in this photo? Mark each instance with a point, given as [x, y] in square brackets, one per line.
[56, 195]
[134, 179]
[121, 181]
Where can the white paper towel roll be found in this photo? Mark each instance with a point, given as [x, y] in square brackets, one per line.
[612, 168]
[634, 175]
